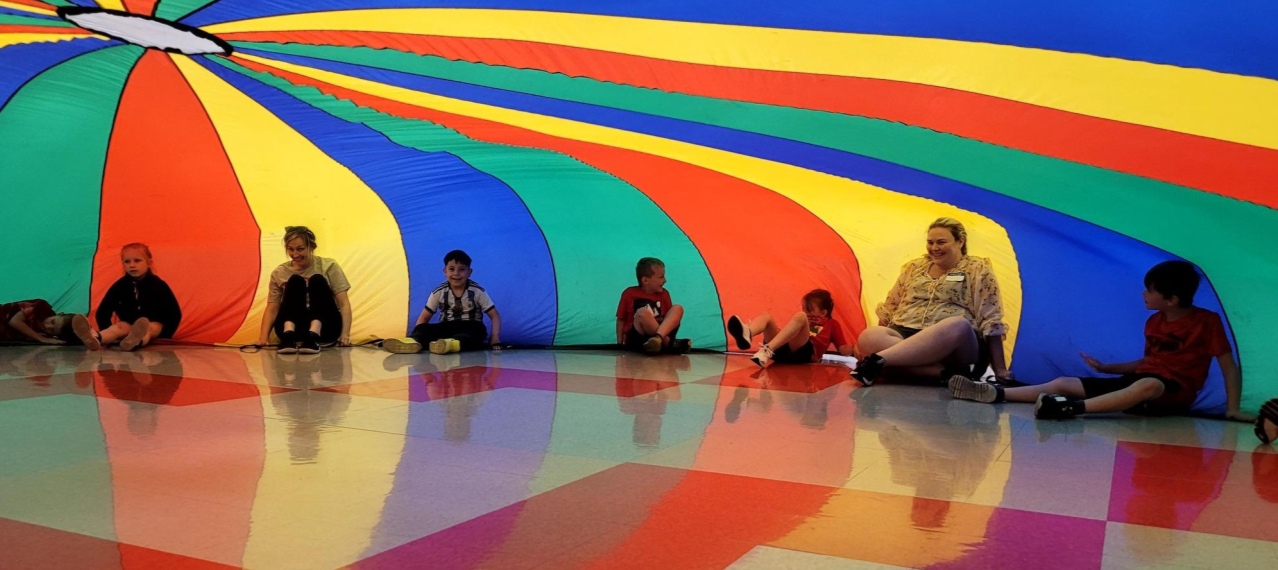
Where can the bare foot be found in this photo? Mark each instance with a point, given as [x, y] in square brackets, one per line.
[137, 334]
[80, 325]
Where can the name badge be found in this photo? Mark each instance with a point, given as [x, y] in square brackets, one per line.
[955, 277]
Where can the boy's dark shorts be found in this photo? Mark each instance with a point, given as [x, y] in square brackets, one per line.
[1172, 402]
[634, 339]
[783, 354]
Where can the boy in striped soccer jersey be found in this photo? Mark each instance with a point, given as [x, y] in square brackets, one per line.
[461, 304]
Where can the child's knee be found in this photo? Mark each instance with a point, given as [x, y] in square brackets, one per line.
[799, 317]
[1148, 388]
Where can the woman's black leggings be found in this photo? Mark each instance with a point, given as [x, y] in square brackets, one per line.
[306, 301]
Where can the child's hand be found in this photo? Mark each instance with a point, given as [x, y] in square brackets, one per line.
[1240, 416]
[51, 340]
[1092, 362]
[344, 340]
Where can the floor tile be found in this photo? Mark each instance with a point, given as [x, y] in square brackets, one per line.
[176, 456]
[1213, 491]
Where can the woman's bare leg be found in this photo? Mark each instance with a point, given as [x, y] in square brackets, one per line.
[950, 341]
[876, 339]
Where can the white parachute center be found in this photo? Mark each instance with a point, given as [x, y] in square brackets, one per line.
[146, 33]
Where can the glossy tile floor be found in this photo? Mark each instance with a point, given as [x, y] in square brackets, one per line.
[213, 458]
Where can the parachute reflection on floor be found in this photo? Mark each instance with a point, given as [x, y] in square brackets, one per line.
[212, 458]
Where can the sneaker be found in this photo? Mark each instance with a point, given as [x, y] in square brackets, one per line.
[652, 345]
[406, 345]
[740, 332]
[137, 333]
[868, 369]
[763, 358]
[679, 346]
[965, 388]
[288, 343]
[445, 346]
[1055, 407]
[84, 332]
[309, 344]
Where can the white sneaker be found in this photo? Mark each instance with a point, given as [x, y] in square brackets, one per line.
[763, 358]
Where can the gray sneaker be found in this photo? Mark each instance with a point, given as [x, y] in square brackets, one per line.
[964, 388]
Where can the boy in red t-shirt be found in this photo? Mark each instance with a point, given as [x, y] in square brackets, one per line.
[803, 339]
[1180, 341]
[647, 320]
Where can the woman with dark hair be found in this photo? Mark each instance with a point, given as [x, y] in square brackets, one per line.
[307, 303]
[943, 317]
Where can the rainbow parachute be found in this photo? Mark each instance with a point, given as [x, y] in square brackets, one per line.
[759, 148]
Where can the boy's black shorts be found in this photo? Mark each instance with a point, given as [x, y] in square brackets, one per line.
[1170, 403]
[783, 354]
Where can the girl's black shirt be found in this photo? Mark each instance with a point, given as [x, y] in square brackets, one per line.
[148, 297]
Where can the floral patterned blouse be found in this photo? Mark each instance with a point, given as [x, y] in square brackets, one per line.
[970, 290]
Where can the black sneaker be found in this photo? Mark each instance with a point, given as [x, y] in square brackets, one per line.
[288, 343]
[964, 388]
[1055, 407]
[679, 346]
[738, 331]
[309, 344]
[868, 369]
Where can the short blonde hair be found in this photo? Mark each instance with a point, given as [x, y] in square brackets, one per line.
[955, 227]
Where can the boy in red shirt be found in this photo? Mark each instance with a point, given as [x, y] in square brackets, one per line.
[647, 320]
[803, 339]
[1180, 341]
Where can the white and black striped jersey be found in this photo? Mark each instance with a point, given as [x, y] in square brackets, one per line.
[470, 306]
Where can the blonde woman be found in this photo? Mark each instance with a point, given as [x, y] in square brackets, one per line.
[943, 317]
[307, 304]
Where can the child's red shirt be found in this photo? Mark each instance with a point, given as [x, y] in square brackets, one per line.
[824, 332]
[633, 298]
[1181, 350]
